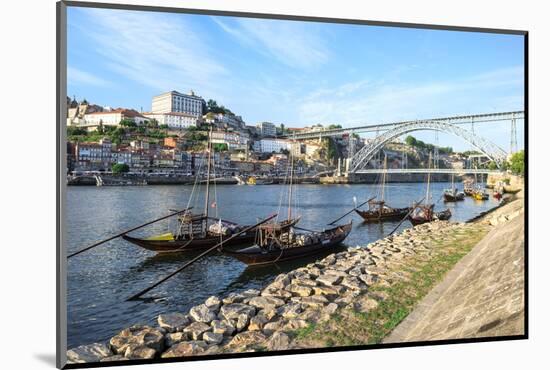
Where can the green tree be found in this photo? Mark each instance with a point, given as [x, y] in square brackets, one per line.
[492, 166]
[517, 163]
[120, 168]
[127, 123]
[220, 147]
[410, 140]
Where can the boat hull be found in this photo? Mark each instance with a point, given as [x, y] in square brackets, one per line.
[453, 197]
[183, 245]
[255, 256]
[442, 216]
[396, 214]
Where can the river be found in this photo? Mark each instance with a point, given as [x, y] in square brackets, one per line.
[100, 280]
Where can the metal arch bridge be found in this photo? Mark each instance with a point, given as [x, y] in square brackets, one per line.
[455, 120]
[361, 158]
[445, 124]
[456, 171]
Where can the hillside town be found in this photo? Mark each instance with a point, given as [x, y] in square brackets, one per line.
[171, 140]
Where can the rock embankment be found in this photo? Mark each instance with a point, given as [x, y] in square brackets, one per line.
[268, 319]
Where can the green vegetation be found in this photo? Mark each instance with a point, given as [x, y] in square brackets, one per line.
[334, 127]
[212, 106]
[419, 144]
[419, 275]
[119, 168]
[117, 134]
[470, 152]
[220, 147]
[517, 163]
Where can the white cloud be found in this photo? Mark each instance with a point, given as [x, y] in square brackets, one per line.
[367, 101]
[77, 76]
[295, 44]
[156, 50]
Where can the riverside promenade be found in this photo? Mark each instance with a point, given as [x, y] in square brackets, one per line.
[483, 295]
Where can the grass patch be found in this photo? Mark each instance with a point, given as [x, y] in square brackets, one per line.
[349, 327]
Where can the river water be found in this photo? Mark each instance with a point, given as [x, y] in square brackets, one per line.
[100, 280]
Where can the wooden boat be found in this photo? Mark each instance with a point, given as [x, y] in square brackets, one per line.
[423, 213]
[196, 231]
[452, 194]
[378, 210]
[287, 245]
[278, 241]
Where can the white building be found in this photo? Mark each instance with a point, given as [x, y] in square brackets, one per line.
[234, 140]
[266, 129]
[174, 101]
[113, 117]
[174, 119]
[268, 145]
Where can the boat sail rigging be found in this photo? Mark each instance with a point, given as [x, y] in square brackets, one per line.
[378, 210]
[423, 213]
[197, 231]
[279, 241]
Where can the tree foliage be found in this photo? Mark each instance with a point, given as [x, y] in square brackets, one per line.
[118, 168]
[419, 144]
[220, 147]
[517, 163]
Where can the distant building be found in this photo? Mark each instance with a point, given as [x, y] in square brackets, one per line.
[93, 156]
[76, 111]
[273, 145]
[266, 129]
[113, 117]
[175, 120]
[174, 101]
[234, 140]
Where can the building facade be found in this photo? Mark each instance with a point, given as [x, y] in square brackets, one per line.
[234, 140]
[267, 129]
[113, 117]
[174, 120]
[174, 101]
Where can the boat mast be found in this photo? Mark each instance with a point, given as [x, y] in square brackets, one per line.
[290, 182]
[428, 187]
[383, 185]
[453, 182]
[207, 196]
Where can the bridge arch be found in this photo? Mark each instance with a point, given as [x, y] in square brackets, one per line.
[366, 153]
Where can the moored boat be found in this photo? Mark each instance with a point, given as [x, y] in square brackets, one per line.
[378, 209]
[196, 231]
[287, 245]
[422, 213]
[452, 194]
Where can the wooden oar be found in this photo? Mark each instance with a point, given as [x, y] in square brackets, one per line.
[136, 296]
[407, 216]
[339, 218]
[126, 232]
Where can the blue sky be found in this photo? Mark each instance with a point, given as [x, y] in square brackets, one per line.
[296, 73]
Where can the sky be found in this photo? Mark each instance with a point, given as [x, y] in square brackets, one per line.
[297, 73]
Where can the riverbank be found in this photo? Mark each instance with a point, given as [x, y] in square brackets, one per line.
[353, 297]
[88, 180]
